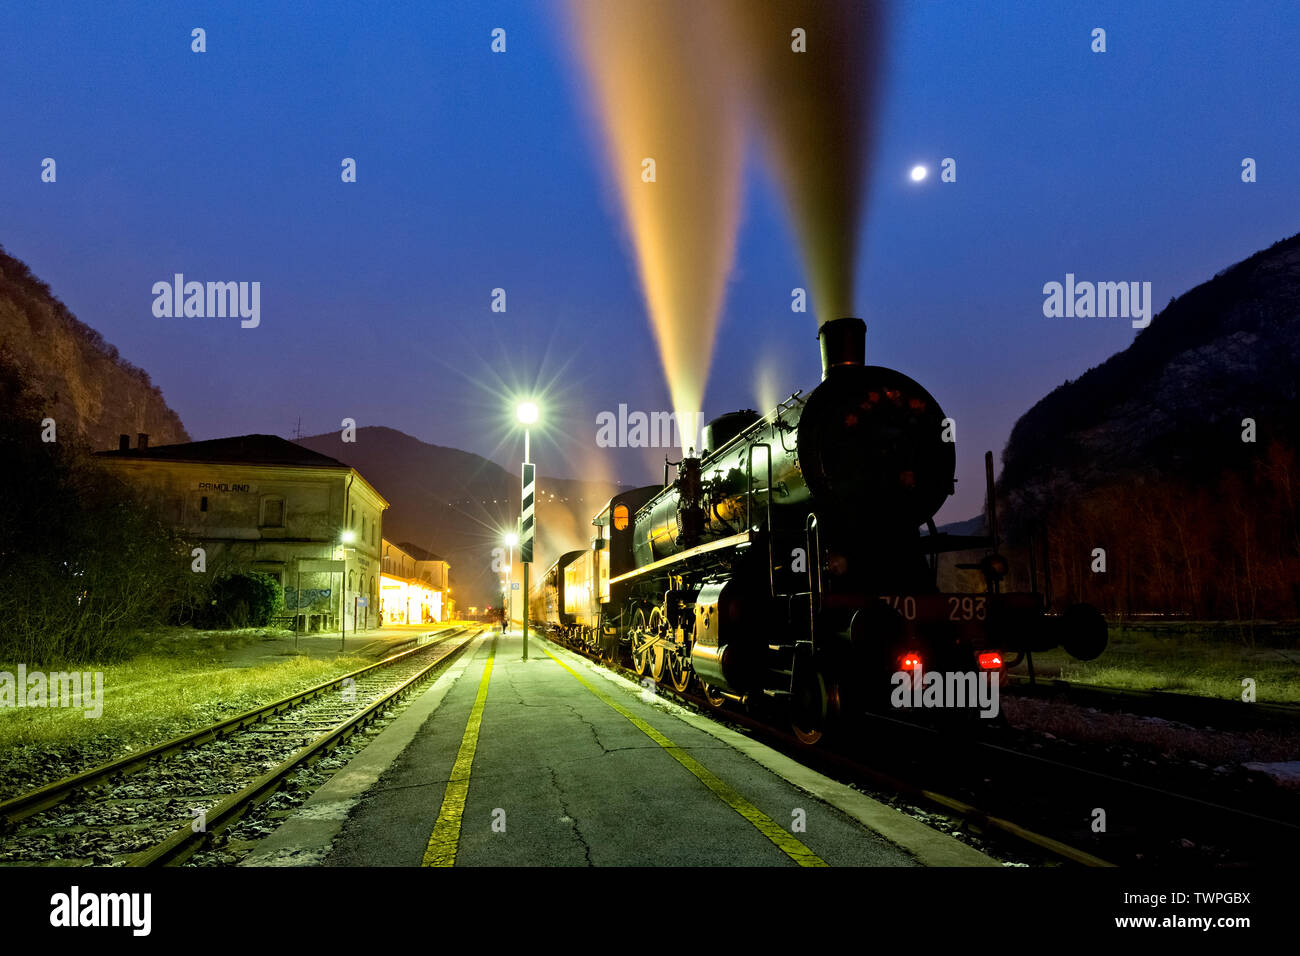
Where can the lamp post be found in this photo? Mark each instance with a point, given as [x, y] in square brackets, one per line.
[527, 413]
[345, 539]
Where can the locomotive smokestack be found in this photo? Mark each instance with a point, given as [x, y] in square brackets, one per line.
[843, 342]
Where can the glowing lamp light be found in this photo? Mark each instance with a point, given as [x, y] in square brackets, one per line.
[910, 661]
[348, 537]
[919, 173]
[991, 661]
[512, 539]
[527, 412]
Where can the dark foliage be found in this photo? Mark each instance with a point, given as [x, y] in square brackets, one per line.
[242, 599]
[81, 563]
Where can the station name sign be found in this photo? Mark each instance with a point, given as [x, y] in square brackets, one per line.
[223, 486]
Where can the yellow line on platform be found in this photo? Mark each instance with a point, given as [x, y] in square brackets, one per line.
[445, 838]
[761, 821]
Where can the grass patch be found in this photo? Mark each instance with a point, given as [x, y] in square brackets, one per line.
[1184, 661]
[178, 682]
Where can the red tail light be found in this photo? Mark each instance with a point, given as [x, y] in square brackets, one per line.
[909, 661]
[990, 661]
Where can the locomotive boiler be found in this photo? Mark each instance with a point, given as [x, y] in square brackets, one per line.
[787, 558]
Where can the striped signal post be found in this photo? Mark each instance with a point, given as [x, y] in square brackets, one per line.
[527, 414]
[526, 528]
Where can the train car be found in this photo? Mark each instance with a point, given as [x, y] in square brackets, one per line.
[580, 601]
[546, 603]
[786, 561]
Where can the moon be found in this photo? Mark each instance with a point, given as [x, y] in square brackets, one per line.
[919, 173]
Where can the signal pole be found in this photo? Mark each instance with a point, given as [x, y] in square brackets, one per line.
[527, 414]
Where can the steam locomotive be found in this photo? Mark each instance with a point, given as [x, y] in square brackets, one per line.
[786, 559]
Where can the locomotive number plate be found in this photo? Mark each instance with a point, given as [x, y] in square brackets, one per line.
[939, 607]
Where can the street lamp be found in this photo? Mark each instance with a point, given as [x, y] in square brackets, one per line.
[528, 414]
[347, 537]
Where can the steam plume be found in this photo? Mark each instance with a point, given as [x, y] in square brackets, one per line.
[815, 113]
[664, 93]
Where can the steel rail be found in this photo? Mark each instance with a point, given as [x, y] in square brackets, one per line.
[26, 804]
[1180, 706]
[185, 841]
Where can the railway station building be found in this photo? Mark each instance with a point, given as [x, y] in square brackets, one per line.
[413, 585]
[260, 502]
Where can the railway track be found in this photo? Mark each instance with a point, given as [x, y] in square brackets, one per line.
[1163, 815]
[1185, 708]
[160, 806]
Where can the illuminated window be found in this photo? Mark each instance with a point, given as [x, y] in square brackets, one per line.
[620, 517]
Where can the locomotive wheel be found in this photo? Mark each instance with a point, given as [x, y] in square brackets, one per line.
[808, 708]
[712, 696]
[679, 671]
[640, 640]
[806, 736]
[657, 655]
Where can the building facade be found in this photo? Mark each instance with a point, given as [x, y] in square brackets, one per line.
[413, 585]
[260, 502]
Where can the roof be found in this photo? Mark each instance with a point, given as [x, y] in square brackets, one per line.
[240, 450]
[419, 553]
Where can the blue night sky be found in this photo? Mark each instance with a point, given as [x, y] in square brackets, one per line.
[478, 170]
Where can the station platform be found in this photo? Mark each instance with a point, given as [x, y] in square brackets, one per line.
[373, 642]
[555, 761]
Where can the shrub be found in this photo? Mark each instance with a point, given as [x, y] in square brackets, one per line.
[243, 599]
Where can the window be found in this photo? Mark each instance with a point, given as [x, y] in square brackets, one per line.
[203, 503]
[352, 521]
[273, 512]
[351, 587]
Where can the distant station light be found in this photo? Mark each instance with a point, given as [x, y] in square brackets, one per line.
[527, 412]
[919, 173]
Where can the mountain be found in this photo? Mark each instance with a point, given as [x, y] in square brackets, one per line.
[1174, 400]
[970, 526]
[90, 390]
[459, 505]
[1178, 455]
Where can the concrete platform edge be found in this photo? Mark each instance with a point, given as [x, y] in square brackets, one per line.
[929, 846]
[305, 838]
